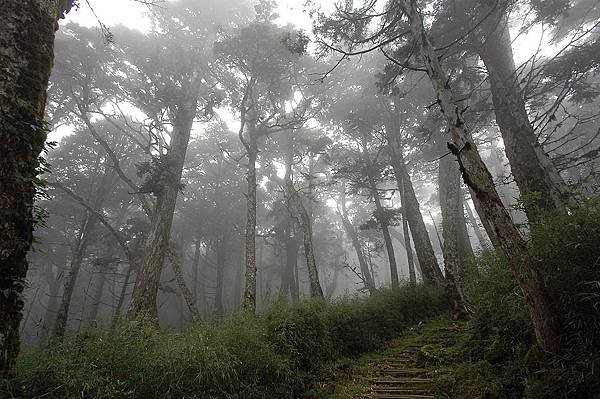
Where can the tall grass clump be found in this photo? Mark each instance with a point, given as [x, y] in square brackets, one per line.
[274, 355]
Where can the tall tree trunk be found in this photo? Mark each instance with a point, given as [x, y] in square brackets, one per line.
[185, 292]
[121, 300]
[427, 260]
[145, 290]
[249, 302]
[407, 244]
[381, 215]
[51, 304]
[483, 242]
[305, 222]
[26, 56]
[195, 267]
[454, 257]
[88, 224]
[351, 232]
[219, 310]
[477, 176]
[532, 168]
[97, 297]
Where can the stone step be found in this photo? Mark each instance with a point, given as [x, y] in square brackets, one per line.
[413, 390]
[401, 381]
[404, 396]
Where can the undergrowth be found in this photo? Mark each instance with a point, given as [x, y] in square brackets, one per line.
[275, 355]
[501, 359]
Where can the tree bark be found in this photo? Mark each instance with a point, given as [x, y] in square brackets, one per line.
[454, 257]
[476, 175]
[304, 220]
[381, 216]
[351, 232]
[407, 244]
[143, 301]
[186, 294]
[532, 168]
[26, 55]
[430, 269]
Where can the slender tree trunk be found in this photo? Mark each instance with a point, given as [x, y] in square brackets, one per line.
[81, 243]
[431, 272]
[97, 297]
[185, 292]
[121, 301]
[51, 306]
[381, 216]
[477, 176]
[532, 168]
[412, 275]
[143, 301]
[304, 219]
[26, 55]
[249, 302]
[195, 267]
[219, 310]
[483, 242]
[451, 206]
[351, 232]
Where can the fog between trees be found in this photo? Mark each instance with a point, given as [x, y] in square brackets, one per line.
[222, 161]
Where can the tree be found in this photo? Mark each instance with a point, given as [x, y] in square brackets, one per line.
[264, 63]
[26, 42]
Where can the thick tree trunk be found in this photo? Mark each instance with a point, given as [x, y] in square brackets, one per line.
[143, 301]
[97, 298]
[249, 302]
[454, 256]
[532, 168]
[26, 55]
[51, 305]
[407, 242]
[430, 269]
[362, 261]
[477, 176]
[288, 279]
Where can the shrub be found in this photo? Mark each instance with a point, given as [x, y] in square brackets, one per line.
[565, 248]
[274, 355]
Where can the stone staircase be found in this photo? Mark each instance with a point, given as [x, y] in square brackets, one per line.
[406, 370]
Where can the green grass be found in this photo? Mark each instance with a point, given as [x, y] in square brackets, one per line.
[276, 355]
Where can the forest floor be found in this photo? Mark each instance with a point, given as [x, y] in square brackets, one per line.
[407, 368]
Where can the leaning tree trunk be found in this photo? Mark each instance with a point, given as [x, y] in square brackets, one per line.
[454, 259]
[145, 290]
[430, 269]
[26, 55]
[532, 168]
[477, 176]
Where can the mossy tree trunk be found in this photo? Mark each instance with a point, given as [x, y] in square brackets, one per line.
[26, 55]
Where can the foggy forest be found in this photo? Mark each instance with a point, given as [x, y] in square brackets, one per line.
[300, 199]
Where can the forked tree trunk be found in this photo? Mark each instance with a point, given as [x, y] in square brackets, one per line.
[430, 268]
[477, 176]
[532, 168]
[145, 290]
[304, 220]
[27, 45]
